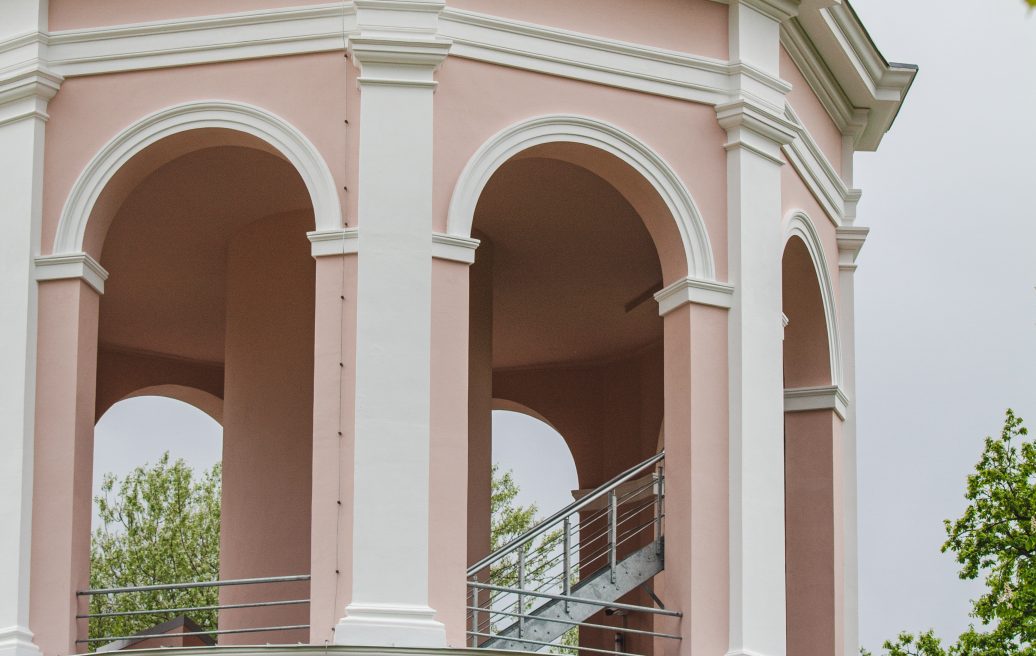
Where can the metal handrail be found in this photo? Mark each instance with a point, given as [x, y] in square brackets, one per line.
[192, 584]
[560, 515]
[129, 590]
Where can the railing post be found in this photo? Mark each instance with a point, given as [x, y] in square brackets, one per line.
[566, 581]
[659, 508]
[521, 597]
[613, 533]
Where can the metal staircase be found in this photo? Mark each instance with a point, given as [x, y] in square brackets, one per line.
[536, 591]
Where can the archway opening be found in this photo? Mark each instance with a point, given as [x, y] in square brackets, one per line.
[813, 459]
[563, 321]
[211, 289]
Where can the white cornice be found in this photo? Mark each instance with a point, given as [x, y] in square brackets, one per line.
[196, 40]
[74, 265]
[692, 290]
[850, 242]
[25, 92]
[868, 81]
[452, 247]
[805, 399]
[859, 89]
[591, 58]
[333, 242]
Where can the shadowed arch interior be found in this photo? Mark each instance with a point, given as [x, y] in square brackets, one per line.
[807, 359]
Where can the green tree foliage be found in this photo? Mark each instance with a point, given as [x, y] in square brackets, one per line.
[509, 521]
[159, 524]
[995, 538]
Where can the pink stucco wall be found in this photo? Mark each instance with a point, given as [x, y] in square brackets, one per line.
[692, 26]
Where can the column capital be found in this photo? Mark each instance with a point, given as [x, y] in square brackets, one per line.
[805, 399]
[755, 126]
[397, 42]
[850, 241]
[692, 290]
[26, 90]
[71, 265]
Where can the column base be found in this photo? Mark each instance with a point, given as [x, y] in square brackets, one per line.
[17, 641]
[390, 625]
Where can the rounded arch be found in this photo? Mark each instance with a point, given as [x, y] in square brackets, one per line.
[798, 224]
[560, 129]
[210, 114]
[207, 402]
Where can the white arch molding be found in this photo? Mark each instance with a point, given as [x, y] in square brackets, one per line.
[798, 224]
[240, 117]
[562, 128]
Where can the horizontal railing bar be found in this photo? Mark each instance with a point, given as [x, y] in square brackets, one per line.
[578, 600]
[589, 625]
[148, 636]
[554, 644]
[575, 506]
[195, 584]
[190, 609]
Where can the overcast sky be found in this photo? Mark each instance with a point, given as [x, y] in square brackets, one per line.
[946, 310]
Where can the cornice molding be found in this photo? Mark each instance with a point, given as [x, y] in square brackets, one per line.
[206, 39]
[72, 265]
[692, 290]
[324, 243]
[850, 241]
[806, 399]
[816, 171]
[25, 92]
[454, 248]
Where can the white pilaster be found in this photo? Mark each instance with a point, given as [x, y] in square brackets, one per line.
[397, 51]
[850, 241]
[25, 88]
[756, 130]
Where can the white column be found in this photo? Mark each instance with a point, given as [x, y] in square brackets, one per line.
[25, 88]
[850, 241]
[756, 130]
[397, 51]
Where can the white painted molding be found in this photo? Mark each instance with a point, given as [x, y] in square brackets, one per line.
[73, 265]
[205, 39]
[857, 87]
[849, 119]
[798, 224]
[452, 247]
[591, 58]
[333, 242]
[394, 625]
[277, 132]
[395, 62]
[815, 169]
[805, 399]
[597, 134]
[755, 127]
[850, 242]
[18, 641]
[25, 92]
[692, 290]
[867, 79]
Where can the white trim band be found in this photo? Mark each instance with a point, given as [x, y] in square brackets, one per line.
[805, 399]
[693, 290]
[453, 247]
[73, 265]
[333, 242]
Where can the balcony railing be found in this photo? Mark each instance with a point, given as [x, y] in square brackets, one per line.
[159, 611]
